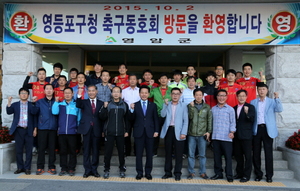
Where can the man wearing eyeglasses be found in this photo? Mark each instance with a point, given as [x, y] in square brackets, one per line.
[223, 133]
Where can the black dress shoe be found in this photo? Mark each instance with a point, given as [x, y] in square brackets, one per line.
[139, 177]
[258, 178]
[27, 172]
[269, 180]
[216, 176]
[19, 171]
[148, 176]
[85, 175]
[166, 176]
[244, 179]
[230, 179]
[237, 176]
[177, 178]
[96, 174]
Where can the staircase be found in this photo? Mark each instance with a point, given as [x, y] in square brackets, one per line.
[281, 170]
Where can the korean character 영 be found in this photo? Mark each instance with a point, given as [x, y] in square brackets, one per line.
[107, 23]
[220, 21]
[246, 26]
[131, 24]
[208, 23]
[231, 22]
[192, 24]
[47, 20]
[142, 24]
[169, 20]
[154, 23]
[180, 23]
[58, 22]
[92, 23]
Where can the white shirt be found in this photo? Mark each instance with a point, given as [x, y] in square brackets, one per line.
[95, 101]
[130, 95]
[261, 111]
[187, 96]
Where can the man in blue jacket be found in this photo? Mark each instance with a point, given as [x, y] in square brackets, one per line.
[22, 128]
[68, 120]
[264, 130]
[174, 132]
[47, 130]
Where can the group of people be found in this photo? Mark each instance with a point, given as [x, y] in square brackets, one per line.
[234, 114]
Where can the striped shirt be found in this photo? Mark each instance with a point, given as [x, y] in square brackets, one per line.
[223, 122]
[23, 114]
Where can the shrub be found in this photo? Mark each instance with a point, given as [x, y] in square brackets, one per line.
[293, 141]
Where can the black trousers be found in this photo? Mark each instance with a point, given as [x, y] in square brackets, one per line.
[22, 140]
[144, 142]
[222, 148]
[109, 146]
[172, 143]
[67, 152]
[242, 150]
[128, 139]
[91, 144]
[46, 139]
[263, 137]
[156, 139]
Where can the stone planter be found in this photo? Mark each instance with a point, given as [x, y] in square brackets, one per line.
[7, 156]
[293, 158]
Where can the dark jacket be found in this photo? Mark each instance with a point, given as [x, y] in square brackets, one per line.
[244, 124]
[116, 118]
[15, 109]
[43, 109]
[211, 91]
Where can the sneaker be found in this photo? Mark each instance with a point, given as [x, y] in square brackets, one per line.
[190, 176]
[71, 172]
[39, 171]
[62, 173]
[122, 174]
[51, 171]
[204, 176]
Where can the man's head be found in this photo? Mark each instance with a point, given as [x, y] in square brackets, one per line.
[92, 91]
[211, 77]
[191, 82]
[262, 89]
[163, 79]
[62, 80]
[198, 95]
[247, 69]
[230, 75]
[122, 69]
[132, 80]
[73, 73]
[49, 90]
[239, 75]
[116, 92]
[98, 67]
[147, 75]
[81, 78]
[105, 76]
[191, 70]
[23, 94]
[144, 92]
[222, 96]
[177, 75]
[175, 94]
[241, 96]
[57, 68]
[41, 74]
[219, 69]
[68, 94]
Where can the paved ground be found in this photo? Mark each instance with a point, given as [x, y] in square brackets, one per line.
[11, 182]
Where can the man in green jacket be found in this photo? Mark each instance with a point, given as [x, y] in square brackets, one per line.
[200, 128]
[160, 94]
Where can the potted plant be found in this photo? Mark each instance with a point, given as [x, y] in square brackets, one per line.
[7, 149]
[291, 153]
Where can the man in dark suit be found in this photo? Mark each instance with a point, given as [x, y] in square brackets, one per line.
[90, 128]
[145, 128]
[22, 128]
[242, 142]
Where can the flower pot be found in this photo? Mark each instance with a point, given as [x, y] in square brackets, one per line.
[293, 158]
[7, 156]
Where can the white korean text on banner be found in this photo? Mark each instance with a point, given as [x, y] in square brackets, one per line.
[153, 24]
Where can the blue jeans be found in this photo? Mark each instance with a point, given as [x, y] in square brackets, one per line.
[201, 143]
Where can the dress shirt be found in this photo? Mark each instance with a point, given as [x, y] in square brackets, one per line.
[95, 101]
[261, 111]
[187, 96]
[130, 95]
[104, 92]
[239, 108]
[23, 114]
[174, 106]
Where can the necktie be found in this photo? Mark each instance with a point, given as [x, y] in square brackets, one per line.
[93, 106]
[144, 108]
